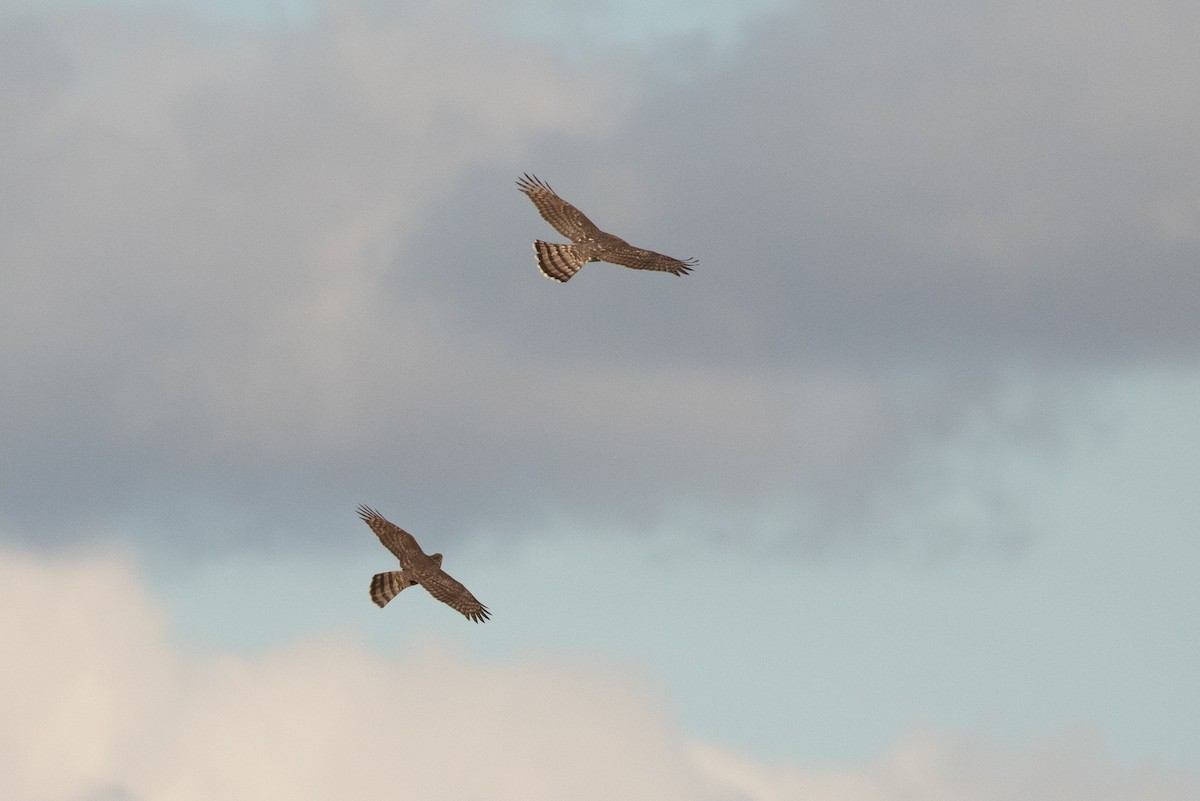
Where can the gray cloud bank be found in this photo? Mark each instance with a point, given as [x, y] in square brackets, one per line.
[253, 277]
[109, 708]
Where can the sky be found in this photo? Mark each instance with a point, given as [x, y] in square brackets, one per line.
[892, 498]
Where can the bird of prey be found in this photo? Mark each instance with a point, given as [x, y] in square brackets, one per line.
[589, 243]
[418, 567]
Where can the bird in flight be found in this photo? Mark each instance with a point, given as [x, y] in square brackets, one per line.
[589, 243]
[418, 567]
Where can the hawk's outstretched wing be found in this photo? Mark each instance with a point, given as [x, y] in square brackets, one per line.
[441, 585]
[566, 219]
[640, 259]
[395, 539]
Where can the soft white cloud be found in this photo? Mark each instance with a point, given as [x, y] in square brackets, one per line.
[97, 699]
[931, 766]
[98, 702]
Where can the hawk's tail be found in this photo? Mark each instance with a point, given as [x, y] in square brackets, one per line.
[556, 261]
[386, 586]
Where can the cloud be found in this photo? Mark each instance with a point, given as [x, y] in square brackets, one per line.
[203, 221]
[949, 184]
[101, 703]
[259, 275]
[933, 766]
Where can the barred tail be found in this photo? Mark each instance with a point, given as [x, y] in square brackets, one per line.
[386, 586]
[556, 261]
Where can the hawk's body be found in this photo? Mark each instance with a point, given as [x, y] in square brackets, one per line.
[418, 567]
[589, 243]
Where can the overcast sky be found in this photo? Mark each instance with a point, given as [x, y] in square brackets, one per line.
[892, 497]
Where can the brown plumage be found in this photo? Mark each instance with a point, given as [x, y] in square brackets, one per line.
[418, 567]
[589, 243]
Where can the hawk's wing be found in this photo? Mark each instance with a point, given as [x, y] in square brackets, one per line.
[394, 538]
[639, 259]
[566, 219]
[443, 587]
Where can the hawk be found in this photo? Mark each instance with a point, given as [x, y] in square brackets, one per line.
[418, 568]
[589, 243]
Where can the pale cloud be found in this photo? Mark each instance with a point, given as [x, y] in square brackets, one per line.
[100, 703]
[97, 699]
[934, 766]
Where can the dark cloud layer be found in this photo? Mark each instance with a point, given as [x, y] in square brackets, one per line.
[959, 183]
[255, 277]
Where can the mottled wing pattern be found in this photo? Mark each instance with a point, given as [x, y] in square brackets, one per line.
[566, 219]
[394, 538]
[441, 585]
[639, 259]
